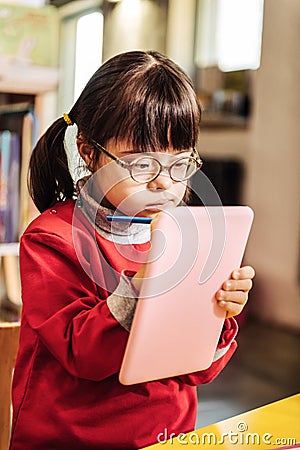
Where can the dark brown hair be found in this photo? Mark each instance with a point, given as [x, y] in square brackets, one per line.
[141, 97]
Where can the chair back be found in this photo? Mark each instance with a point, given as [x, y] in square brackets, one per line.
[9, 343]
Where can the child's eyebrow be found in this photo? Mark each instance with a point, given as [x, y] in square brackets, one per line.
[128, 152]
[174, 152]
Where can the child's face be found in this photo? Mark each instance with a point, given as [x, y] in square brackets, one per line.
[145, 199]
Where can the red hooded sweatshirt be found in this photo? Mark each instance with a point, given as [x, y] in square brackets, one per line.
[66, 392]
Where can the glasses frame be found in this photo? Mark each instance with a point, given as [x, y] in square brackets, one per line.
[128, 166]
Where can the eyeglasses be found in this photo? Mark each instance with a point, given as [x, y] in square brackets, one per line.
[146, 168]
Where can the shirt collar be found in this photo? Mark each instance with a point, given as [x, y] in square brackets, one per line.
[118, 232]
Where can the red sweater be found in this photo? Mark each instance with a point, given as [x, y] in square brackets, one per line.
[66, 393]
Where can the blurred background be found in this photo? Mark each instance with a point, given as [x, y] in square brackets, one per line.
[243, 57]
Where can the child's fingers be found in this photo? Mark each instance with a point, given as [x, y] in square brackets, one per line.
[237, 285]
[234, 293]
[232, 309]
[243, 273]
[239, 297]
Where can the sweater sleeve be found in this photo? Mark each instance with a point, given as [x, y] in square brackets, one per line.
[225, 349]
[122, 302]
[62, 305]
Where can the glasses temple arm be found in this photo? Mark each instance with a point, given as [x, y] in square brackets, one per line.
[110, 155]
[196, 155]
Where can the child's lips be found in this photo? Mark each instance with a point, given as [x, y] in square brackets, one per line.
[159, 205]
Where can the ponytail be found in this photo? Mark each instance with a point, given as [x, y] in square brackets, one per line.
[49, 178]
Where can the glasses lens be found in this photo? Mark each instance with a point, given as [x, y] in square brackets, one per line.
[144, 169]
[183, 168]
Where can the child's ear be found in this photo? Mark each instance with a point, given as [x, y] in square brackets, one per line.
[85, 150]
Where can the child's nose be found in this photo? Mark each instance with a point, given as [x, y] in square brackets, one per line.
[163, 181]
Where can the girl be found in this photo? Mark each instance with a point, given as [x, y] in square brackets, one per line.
[138, 122]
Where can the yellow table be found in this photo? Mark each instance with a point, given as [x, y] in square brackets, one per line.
[272, 426]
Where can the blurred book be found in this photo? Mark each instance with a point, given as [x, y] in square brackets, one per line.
[10, 186]
[5, 140]
[13, 190]
[17, 209]
[28, 211]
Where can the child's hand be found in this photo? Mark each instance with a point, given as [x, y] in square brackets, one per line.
[234, 293]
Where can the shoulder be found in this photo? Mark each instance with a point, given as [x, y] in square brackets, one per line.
[60, 227]
[56, 220]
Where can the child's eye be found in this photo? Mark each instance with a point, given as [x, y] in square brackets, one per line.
[142, 166]
[180, 164]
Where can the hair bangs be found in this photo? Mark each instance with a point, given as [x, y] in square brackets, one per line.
[155, 109]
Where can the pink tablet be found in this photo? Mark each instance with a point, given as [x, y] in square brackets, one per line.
[177, 322]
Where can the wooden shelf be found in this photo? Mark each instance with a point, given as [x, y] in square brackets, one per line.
[10, 248]
[28, 79]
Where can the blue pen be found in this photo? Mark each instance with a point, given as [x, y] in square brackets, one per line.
[131, 219]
